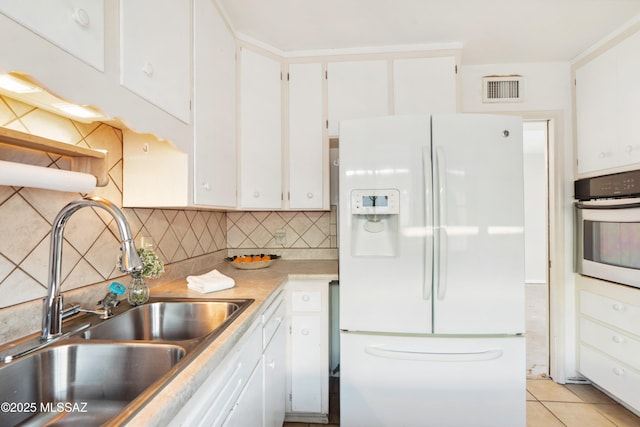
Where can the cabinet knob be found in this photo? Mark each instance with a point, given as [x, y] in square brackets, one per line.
[618, 307]
[309, 195]
[256, 194]
[272, 364]
[305, 331]
[306, 298]
[618, 339]
[81, 17]
[148, 69]
[618, 371]
[628, 148]
[206, 186]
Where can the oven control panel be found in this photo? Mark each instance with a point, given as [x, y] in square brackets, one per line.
[617, 185]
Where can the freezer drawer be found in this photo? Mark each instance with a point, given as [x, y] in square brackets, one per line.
[432, 381]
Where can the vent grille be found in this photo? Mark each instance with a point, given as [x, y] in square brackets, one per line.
[502, 89]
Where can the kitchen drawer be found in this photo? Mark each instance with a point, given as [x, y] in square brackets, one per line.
[615, 344]
[618, 379]
[307, 301]
[614, 312]
[272, 319]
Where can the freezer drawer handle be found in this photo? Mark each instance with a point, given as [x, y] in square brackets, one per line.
[490, 354]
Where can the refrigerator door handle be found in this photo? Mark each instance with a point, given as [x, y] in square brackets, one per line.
[476, 356]
[440, 250]
[428, 224]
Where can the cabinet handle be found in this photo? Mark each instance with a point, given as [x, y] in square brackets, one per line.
[618, 339]
[148, 69]
[619, 307]
[618, 371]
[256, 194]
[81, 17]
[309, 195]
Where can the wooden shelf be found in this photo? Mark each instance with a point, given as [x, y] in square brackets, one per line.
[85, 160]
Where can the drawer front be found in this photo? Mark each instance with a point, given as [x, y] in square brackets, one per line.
[307, 301]
[617, 313]
[618, 379]
[272, 321]
[234, 379]
[620, 346]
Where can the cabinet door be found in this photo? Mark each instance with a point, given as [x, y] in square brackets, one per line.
[308, 348]
[248, 409]
[307, 363]
[76, 26]
[214, 110]
[356, 89]
[596, 113]
[260, 132]
[155, 50]
[424, 85]
[629, 100]
[275, 380]
[308, 153]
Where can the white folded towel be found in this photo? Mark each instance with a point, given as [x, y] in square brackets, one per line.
[210, 282]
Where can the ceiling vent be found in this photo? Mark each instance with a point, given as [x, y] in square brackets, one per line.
[502, 89]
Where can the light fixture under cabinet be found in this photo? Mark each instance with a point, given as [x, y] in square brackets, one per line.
[20, 87]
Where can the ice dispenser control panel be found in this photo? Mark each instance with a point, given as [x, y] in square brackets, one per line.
[380, 202]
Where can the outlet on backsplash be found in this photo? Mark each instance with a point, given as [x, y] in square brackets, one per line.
[281, 237]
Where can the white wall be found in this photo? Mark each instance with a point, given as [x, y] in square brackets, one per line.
[546, 86]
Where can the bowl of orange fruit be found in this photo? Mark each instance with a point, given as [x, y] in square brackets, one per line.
[252, 262]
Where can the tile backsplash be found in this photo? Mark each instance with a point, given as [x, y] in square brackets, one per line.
[91, 247]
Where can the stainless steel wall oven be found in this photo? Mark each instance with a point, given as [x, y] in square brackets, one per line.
[608, 227]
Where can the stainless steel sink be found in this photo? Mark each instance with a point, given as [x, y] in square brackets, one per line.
[168, 321]
[81, 383]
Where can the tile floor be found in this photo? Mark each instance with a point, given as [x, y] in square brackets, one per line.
[548, 405]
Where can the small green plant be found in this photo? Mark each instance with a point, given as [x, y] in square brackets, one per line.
[152, 266]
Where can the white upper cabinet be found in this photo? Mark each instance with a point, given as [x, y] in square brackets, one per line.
[308, 151]
[260, 131]
[356, 89]
[629, 97]
[424, 85]
[214, 109]
[607, 109]
[76, 26]
[155, 50]
[596, 111]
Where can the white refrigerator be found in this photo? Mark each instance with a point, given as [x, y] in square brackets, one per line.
[431, 232]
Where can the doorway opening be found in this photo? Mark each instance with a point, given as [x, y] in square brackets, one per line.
[536, 221]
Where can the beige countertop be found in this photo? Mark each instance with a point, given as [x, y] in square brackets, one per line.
[262, 286]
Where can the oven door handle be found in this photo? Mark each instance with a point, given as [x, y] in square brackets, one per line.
[600, 205]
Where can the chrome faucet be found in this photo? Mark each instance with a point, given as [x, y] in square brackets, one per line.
[52, 310]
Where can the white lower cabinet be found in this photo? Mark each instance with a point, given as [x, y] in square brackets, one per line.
[610, 339]
[308, 350]
[247, 411]
[247, 388]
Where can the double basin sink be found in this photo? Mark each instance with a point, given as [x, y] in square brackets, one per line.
[111, 369]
